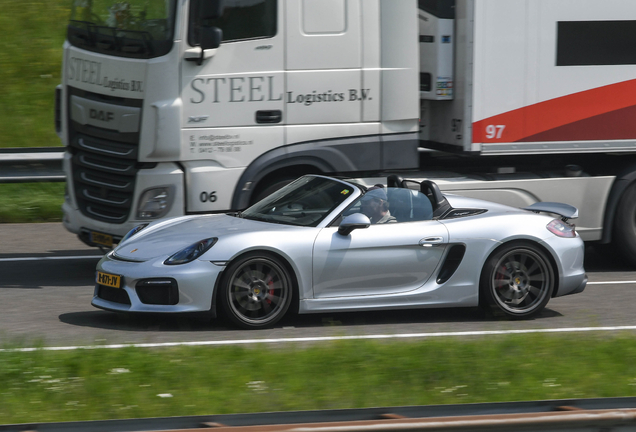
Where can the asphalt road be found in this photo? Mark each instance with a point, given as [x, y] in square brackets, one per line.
[46, 285]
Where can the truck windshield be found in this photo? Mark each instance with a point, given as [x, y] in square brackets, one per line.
[133, 28]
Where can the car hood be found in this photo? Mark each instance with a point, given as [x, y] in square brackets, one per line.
[162, 239]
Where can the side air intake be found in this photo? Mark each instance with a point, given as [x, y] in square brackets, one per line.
[453, 258]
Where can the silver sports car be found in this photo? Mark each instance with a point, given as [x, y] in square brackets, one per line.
[328, 244]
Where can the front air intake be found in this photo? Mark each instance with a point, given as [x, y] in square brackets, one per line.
[115, 295]
[158, 291]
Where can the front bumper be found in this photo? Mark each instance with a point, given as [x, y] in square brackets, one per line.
[195, 283]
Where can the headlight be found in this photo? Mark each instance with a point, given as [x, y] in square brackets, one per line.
[192, 252]
[155, 203]
[132, 232]
[561, 229]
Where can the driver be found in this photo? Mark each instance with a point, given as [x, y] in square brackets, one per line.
[375, 206]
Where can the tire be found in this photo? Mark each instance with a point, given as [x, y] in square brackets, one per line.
[517, 281]
[256, 291]
[624, 236]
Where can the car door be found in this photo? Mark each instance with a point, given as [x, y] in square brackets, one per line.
[381, 259]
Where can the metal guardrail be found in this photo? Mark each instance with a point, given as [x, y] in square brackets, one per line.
[616, 414]
[27, 165]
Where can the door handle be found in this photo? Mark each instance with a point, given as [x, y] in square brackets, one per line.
[269, 116]
[431, 241]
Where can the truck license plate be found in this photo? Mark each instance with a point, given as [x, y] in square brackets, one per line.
[110, 280]
[102, 239]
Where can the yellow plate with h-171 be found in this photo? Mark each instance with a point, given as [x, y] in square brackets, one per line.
[109, 280]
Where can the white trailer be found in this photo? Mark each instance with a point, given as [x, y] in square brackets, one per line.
[176, 107]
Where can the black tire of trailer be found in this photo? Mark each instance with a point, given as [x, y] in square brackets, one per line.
[624, 235]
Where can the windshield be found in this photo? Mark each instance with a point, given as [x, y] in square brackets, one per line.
[134, 28]
[305, 202]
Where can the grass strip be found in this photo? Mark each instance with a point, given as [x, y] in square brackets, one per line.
[31, 202]
[48, 386]
[31, 57]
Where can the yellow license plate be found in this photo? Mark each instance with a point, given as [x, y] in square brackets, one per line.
[102, 239]
[110, 280]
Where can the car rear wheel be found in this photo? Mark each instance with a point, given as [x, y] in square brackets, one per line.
[256, 291]
[517, 280]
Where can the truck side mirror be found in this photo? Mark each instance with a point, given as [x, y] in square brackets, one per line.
[211, 37]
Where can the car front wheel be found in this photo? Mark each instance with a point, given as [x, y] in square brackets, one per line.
[517, 280]
[256, 291]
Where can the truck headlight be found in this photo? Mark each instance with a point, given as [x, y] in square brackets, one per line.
[155, 203]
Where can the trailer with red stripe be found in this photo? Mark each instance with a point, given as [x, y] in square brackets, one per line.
[536, 101]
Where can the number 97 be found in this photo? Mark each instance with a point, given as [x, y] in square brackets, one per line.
[494, 131]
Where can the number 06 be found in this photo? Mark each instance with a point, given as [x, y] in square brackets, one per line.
[205, 197]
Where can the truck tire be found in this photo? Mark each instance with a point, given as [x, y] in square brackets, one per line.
[625, 226]
[270, 188]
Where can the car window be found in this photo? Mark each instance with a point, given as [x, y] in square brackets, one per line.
[402, 205]
[241, 20]
[305, 202]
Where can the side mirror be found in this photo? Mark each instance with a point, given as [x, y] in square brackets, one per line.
[354, 221]
[211, 37]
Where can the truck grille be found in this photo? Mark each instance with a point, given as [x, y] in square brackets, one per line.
[104, 160]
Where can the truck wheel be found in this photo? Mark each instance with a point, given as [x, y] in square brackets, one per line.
[517, 281]
[269, 188]
[625, 225]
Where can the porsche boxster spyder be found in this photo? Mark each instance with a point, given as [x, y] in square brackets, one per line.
[324, 244]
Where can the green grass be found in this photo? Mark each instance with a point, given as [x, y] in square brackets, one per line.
[98, 384]
[31, 202]
[31, 57]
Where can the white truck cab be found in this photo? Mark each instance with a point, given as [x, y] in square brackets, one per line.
[202, 106]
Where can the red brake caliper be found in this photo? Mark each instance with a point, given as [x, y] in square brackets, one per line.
[271, 291]
[500, 276]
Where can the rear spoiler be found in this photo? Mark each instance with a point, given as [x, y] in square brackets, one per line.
[566, 211]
